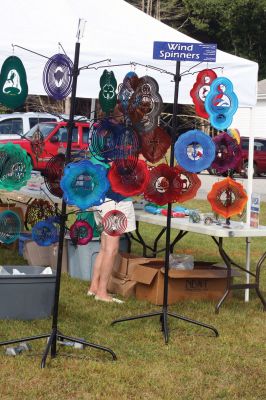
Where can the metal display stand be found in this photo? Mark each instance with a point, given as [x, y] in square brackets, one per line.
[164, 313]
[55, 334]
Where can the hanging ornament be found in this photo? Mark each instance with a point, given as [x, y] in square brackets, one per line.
[89, 217]
[38, 210]
[37, 142]
[10, 227]
[104, 139]
[234, 133]
[127, 150]
[144, 106]
[164, 185]
[84, 184]
[126, 90]
[53, 173]
[114, 223]
[227, 197]
[81, 233]
[228, 153]
[15, 167]
[107, 95]
[13, 83]
[45, 233]
[221, 103]
[194, 151]
[200, 90]
[190, 184]
[131, 184]
[155, 144]
[58, 76]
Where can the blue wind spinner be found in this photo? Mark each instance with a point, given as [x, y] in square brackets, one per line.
[194, 151]
[84, 184]
[221, 103]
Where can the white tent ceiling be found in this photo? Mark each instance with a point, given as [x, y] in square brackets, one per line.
[114, 30]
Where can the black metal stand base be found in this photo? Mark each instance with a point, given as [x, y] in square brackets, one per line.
[51, 344]
[164, 313]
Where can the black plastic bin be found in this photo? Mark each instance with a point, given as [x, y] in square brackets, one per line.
[26, 297]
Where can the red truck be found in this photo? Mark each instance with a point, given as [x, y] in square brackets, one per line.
[259, 163]
[54, 141]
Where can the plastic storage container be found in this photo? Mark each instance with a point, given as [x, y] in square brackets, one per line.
[81, 258]
[26, 297]
[181, 261]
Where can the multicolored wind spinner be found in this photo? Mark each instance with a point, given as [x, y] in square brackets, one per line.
[58, 76]
[194, 151]
[53, 174]
[154, 144]
[200, 90]
[81, 232]
[114, 223]
[84, 184]
[227, 197]
[45, 233]
[10, 227]
[228, 153]
[190, 184]
[15, 167]
[164, 185]
[221, 103]
[131, 184]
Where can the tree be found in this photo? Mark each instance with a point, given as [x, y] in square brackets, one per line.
[238, 26]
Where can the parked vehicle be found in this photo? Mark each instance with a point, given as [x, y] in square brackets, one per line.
[54, 141]
[13, 126]
[259, 163]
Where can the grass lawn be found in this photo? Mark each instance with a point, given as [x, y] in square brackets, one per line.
[194, 365]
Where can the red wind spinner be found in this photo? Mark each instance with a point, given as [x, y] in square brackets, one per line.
[165, 185]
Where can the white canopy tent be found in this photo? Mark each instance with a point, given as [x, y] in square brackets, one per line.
[114, 30]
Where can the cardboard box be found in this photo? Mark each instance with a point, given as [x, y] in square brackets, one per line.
[125, 268]
[204, 282]
[121, 281]
[122, 286]
[45, 255]
[35, 254]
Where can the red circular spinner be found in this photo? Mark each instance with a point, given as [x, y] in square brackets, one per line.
[155, 144]
[114, 223]
[164, 185]
[191, 184]
[81, 232]
[130, 184]
[200, 90]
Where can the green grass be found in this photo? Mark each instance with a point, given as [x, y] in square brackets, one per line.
[194, 365]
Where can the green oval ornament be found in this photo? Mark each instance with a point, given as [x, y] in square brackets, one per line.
[107, 95]
[13, 83]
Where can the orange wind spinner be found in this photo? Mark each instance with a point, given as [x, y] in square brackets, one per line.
[227, 197]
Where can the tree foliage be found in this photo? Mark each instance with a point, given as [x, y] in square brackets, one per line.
[238, 27]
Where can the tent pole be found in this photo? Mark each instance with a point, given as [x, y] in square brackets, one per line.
[249, 193]
[164, 312]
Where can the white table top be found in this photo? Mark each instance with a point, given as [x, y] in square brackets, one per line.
[43, 194]
[236, 229]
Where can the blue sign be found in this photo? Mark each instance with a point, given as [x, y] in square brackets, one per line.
[179, 51]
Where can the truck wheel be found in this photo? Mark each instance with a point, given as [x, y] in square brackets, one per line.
[245, 168]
